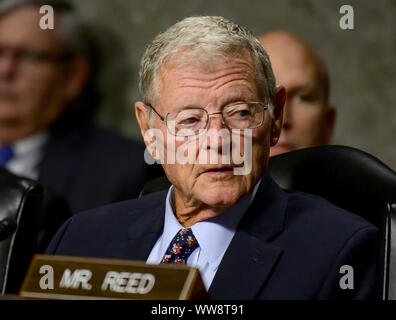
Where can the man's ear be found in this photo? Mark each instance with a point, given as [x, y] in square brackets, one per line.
[331, 116]
[142, 116]
[149, 137]
[77, 75]
[277, 116]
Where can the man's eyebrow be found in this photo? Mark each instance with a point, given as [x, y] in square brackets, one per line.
[308, 88]
[239, 96]
[188, 106]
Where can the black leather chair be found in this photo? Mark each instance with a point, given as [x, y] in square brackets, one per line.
[29, 217]
[20, 202]
[349, 178]
[353, 180]
[389, 238]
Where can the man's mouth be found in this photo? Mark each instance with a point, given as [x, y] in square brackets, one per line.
[219, 171]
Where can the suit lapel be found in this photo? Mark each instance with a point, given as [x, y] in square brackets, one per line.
[244, 269]
[141, 231]
[144, 232]
[249, 259]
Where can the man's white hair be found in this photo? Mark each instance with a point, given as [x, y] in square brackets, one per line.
[204, 38]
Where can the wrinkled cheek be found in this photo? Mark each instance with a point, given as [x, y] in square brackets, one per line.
[179, 159]
[260, 155]
[179, 150]
[250, 152]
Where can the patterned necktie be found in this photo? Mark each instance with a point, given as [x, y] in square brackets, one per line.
[182, 245]
[6, 155]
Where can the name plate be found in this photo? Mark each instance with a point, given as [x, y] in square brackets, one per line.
[61, 277]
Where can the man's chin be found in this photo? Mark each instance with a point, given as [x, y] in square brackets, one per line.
[222, 196]
[11, 134]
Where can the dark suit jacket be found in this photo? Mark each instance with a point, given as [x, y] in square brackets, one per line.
[90, 166]
[289, 245]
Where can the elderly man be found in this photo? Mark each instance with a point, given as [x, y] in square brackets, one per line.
[249, 238]
[308, 119]
[48, 93]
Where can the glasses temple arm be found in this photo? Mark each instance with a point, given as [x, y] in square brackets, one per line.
[161, 117]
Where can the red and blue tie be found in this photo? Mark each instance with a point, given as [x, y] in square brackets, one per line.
[181, 247]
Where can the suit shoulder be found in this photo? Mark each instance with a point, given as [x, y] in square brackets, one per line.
[100, 232]
[110, 222]
[320, 214]
[121, 211]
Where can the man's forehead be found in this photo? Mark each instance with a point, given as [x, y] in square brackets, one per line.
[186, 77]
[21, 26]
[24, 14]
[295, 56]
[202, 59]
[292, 69]
[190, 64]
[292, 59]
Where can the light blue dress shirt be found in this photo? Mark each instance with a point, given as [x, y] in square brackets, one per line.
[28, 153]
[213, 235]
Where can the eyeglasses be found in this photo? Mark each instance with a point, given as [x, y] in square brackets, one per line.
[191, 121]
[28, 56]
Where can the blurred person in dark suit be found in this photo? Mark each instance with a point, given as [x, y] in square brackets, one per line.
[206, 82]
[48, 97]
[308, 117]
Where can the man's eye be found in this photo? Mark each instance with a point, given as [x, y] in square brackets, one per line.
[243, 113]
[304, 97]
[189, 121]
[28, 55]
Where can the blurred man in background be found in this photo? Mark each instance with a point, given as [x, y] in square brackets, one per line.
[48, 97]
[308, 119]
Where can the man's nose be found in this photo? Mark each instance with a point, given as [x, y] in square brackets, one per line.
[216, 121]
[215, 133]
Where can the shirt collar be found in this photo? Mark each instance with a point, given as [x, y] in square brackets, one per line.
[213, 235]
[29, 144]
